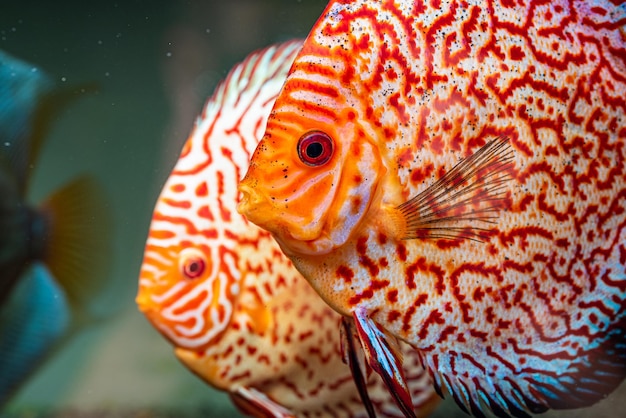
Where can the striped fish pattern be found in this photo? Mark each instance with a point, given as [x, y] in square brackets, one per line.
[452, 174]
[219, 288]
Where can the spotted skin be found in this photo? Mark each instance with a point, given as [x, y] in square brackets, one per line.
[219, 288]
[516, 313]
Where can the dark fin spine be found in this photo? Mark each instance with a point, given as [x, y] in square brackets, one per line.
[77, 238]
[383, 354]
[351, 358]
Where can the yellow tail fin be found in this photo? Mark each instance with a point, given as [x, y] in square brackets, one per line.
[78, 236]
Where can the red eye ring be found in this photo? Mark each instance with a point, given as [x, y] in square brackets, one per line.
[194, 267]
[192, 263]
[315, 148]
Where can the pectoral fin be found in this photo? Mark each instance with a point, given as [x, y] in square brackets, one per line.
[383, 355]
[465, 202]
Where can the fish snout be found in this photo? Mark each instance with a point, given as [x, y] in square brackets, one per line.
[146, 303]
[143, 299]
[244, 201]
[151, 310]
[251, 203]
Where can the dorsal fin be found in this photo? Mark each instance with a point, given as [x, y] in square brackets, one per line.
[29, 104]
[22, 88]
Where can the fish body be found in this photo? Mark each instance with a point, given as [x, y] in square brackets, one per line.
[52, 254]
[454, 172]
[22, 89]
[220, 290]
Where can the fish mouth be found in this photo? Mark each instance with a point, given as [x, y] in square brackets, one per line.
[150, 312]
[251, 206]
[144, 300]
[287, 231]
[145, 304]
[245, 201]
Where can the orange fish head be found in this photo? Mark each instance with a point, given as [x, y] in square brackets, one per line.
[184, 289]
[310, 181]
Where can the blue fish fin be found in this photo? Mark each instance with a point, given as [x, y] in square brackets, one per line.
[22, 90]
[29, 104]
[49, 107]
[594, 375]
[539, 384]
[352, 359]
[74, 238]
[251, 401]
[33, 322]
[383, 354]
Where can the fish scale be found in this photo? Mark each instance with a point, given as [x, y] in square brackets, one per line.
[219, 288]
[509, 278]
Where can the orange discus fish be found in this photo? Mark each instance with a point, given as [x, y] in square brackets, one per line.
[453, 174]
[221, 291]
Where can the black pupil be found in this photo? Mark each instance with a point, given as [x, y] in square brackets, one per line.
[314, 150]
[194, 266]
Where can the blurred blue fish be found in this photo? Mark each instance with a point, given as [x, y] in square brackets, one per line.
[53, 255]
[35, 318]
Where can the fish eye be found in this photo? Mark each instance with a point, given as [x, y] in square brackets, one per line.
[315, 148]
[192, 263]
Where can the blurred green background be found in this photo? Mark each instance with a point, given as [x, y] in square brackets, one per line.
[155, 63]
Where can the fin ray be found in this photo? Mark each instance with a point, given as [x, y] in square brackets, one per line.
[468, 195]
[251, 401]
[351, 358]
[77, 238]
[384, 357]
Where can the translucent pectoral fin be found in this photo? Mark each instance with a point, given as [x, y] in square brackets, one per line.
[383, 355]
[251, 401]
[465, 202]
[351, 358]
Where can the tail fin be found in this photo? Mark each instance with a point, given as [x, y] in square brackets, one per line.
[73, 231]
[78, 233]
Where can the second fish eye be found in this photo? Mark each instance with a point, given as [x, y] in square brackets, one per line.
[192, 263]
[315, 148]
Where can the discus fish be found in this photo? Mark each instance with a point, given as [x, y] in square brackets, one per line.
[220, 290]
[452, 174]
[52, 256]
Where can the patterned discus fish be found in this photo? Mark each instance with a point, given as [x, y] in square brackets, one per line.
[221, 291]
[453, 174]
